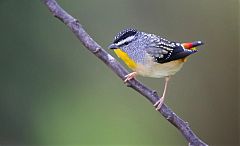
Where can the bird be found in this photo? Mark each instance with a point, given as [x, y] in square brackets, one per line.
[150, 55]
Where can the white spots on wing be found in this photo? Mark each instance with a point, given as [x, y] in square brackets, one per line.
[169, 54]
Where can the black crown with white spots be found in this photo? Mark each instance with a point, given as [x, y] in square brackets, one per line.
[124, 34]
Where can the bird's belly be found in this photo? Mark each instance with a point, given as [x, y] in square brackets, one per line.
[157, 70]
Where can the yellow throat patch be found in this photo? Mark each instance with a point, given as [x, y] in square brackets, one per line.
[126, 59]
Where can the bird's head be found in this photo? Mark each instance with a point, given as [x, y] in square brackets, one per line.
[124, 38]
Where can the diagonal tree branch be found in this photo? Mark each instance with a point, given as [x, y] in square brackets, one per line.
[115, 66]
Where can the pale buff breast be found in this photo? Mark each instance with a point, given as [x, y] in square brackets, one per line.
[158, 70]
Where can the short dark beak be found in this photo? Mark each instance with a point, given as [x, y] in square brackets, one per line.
[112, 46]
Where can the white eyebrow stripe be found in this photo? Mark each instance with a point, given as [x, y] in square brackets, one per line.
[128, 39]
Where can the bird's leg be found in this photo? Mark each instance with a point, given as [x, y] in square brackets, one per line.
[130, 76]
[159, 103]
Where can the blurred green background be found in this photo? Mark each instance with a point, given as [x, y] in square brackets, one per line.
[54, 92]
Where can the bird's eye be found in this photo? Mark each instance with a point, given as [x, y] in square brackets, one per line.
[126, 43]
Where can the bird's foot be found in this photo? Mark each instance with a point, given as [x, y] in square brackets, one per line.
[159, 103]
[130, 76]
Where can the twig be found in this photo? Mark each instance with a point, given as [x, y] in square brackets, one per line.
[115, 66]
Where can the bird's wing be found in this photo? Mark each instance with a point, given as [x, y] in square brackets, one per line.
[164, 51]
